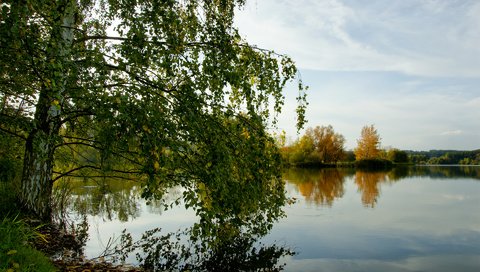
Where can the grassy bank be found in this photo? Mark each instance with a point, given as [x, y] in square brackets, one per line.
[16, 250]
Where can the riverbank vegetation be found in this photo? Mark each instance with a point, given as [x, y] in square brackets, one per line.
[16, 247]
[323, 147]
[318, 146]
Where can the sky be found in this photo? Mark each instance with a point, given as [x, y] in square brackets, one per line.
[410, 68]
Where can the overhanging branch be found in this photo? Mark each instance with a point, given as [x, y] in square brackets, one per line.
[69, 173]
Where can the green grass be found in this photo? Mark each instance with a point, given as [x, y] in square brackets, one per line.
[16, 253]
[16, 237]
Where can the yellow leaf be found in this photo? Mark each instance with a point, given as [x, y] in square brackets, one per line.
[16, 265]
[156, 165]
[245, 133]
[11, 252]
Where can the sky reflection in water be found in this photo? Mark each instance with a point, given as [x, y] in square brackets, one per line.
[412, 219]
[416, 221]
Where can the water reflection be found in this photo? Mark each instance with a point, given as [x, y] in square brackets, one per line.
[185, 250]
[118, 199]
[322, 187]
[369, 186]
[453, 171]
[318, 186]
[224, 236]
[424, 219]
[108, 199]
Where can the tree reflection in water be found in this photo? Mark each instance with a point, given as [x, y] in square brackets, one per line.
[108, 199]
[323, 186]
[225, 237]
[231, 219]
[185, 250]
[318, 186]
[367, 183]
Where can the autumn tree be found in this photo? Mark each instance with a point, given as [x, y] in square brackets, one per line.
[166, 91]
[368, 146]
[318, 145]
[328, 145]
[302, 151]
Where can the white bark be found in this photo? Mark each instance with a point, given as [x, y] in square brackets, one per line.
[36, 187]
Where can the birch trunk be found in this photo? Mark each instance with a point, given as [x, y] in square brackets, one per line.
[37, 182]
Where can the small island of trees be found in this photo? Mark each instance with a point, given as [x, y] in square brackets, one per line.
[322, 146]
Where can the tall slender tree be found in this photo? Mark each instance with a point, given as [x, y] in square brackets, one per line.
[167, 91]
[368, 146]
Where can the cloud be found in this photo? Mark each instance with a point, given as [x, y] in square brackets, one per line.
[409, 112]
[409, 67]
[429, 38]
[454, 197]
[451, 132]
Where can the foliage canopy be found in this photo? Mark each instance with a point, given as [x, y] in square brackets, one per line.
[166, 92]
[318, 145]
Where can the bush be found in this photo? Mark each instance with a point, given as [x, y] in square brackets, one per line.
[374, 164]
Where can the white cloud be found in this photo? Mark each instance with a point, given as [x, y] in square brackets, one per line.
[451, 132]
[409, 67]
[409, 113]
[432, 38]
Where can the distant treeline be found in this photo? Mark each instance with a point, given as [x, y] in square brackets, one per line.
[432, 157]
[445, 157]
[322, 146]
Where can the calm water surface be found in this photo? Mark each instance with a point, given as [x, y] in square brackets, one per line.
[409, 219]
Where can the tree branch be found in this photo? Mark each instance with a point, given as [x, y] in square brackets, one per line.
[68, 173]
[13, 133]
[76, 115]
[99, 37]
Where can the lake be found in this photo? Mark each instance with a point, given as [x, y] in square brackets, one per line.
[421, 218]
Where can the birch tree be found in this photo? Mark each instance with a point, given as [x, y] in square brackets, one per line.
[165, 92]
